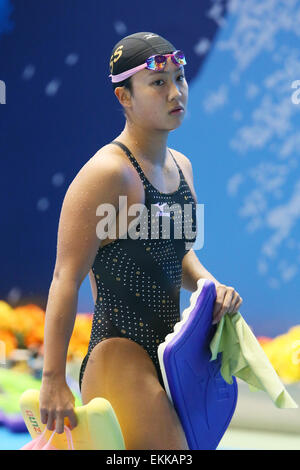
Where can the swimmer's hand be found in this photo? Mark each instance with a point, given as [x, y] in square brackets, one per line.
[56, 403]
[227, 301]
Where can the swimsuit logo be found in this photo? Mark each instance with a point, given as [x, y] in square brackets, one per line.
[149, 36]
[180, 221]
[160, 209]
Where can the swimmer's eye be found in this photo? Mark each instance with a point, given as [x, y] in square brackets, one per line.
[180, 76]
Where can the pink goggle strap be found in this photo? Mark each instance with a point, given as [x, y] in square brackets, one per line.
[122, 76]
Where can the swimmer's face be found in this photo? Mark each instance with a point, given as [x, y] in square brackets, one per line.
[155, 94]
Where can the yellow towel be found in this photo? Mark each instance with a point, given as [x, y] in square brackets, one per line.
[243, 357]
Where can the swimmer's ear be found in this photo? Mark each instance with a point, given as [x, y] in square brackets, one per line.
[123, 95]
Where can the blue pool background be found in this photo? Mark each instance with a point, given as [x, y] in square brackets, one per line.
[241, 133]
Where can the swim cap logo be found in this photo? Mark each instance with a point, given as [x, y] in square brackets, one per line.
[115, 57]
[149, 36]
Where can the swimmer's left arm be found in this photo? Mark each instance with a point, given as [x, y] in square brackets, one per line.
[227, 299]
[192, 270]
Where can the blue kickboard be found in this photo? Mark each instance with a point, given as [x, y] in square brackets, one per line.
[203, 400]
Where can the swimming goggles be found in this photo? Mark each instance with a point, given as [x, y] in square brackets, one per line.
[155, 62]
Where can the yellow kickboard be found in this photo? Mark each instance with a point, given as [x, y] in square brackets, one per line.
[97, 429]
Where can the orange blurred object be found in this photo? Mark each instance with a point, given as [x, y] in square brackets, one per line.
[264, 339]
[80, 337]
[9, 340]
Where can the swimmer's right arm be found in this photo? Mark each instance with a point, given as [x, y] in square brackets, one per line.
[101, 180]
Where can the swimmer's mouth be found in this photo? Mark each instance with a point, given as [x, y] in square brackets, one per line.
[177, 108]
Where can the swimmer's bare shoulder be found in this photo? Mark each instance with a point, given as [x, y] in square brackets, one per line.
[113, 153]
[108, 154]
[100, 181]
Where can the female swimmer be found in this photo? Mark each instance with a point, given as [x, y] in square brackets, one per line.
[136, 280]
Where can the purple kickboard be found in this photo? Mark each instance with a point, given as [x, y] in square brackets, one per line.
[13, 422]
[203, 400]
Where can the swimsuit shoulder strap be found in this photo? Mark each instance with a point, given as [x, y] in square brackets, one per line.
[132, 159]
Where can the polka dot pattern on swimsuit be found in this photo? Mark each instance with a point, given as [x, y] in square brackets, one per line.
[138, 281]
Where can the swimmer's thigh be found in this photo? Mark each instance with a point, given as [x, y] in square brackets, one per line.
[121, 371]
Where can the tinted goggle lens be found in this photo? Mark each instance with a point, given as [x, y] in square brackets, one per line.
[158, 62]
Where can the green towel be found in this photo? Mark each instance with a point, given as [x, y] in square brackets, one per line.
[243, 357]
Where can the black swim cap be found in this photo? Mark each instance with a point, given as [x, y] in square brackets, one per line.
[133, 50]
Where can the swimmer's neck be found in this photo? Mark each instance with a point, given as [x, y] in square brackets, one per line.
[148, 145]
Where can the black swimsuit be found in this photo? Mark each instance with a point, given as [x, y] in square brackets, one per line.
[139, 280]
